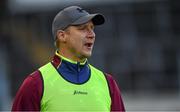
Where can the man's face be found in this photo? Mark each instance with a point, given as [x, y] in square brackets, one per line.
[80, 40]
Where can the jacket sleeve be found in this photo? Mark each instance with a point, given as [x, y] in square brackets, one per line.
[29, 95]
[116, 99]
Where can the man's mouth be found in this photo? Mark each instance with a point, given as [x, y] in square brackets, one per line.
[88, 45]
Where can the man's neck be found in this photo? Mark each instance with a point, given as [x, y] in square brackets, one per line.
[71, 58]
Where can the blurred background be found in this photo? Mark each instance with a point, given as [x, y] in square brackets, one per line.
[139, 44]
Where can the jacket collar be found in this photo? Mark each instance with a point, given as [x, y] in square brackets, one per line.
[57, 59]
[69, 60]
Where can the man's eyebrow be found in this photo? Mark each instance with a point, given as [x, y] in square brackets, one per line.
[81, 26]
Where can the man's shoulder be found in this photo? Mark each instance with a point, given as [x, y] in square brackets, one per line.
[34, 81]
[30, 90]
[109, 76]
[110, 79]
[33, 78]
[35, 74]
[95, 68]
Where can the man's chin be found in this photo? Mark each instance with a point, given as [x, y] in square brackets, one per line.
[86, 55]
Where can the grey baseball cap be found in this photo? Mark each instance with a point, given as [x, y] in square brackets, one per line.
[74, 15]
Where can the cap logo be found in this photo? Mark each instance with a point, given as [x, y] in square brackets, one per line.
[80, 10]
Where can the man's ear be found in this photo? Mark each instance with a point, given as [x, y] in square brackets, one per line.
[61, 35]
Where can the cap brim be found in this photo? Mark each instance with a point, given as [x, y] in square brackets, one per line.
[97, 19]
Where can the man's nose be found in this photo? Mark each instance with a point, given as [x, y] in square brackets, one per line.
[90, 34]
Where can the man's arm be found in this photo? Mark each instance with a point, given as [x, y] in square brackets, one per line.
[117, 102]
[29, 95]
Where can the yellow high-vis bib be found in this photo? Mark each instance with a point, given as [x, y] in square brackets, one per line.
[61, 95]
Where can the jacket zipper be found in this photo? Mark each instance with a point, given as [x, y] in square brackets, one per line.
[78, 70]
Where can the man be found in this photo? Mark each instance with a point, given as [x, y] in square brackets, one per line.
[69, 82]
